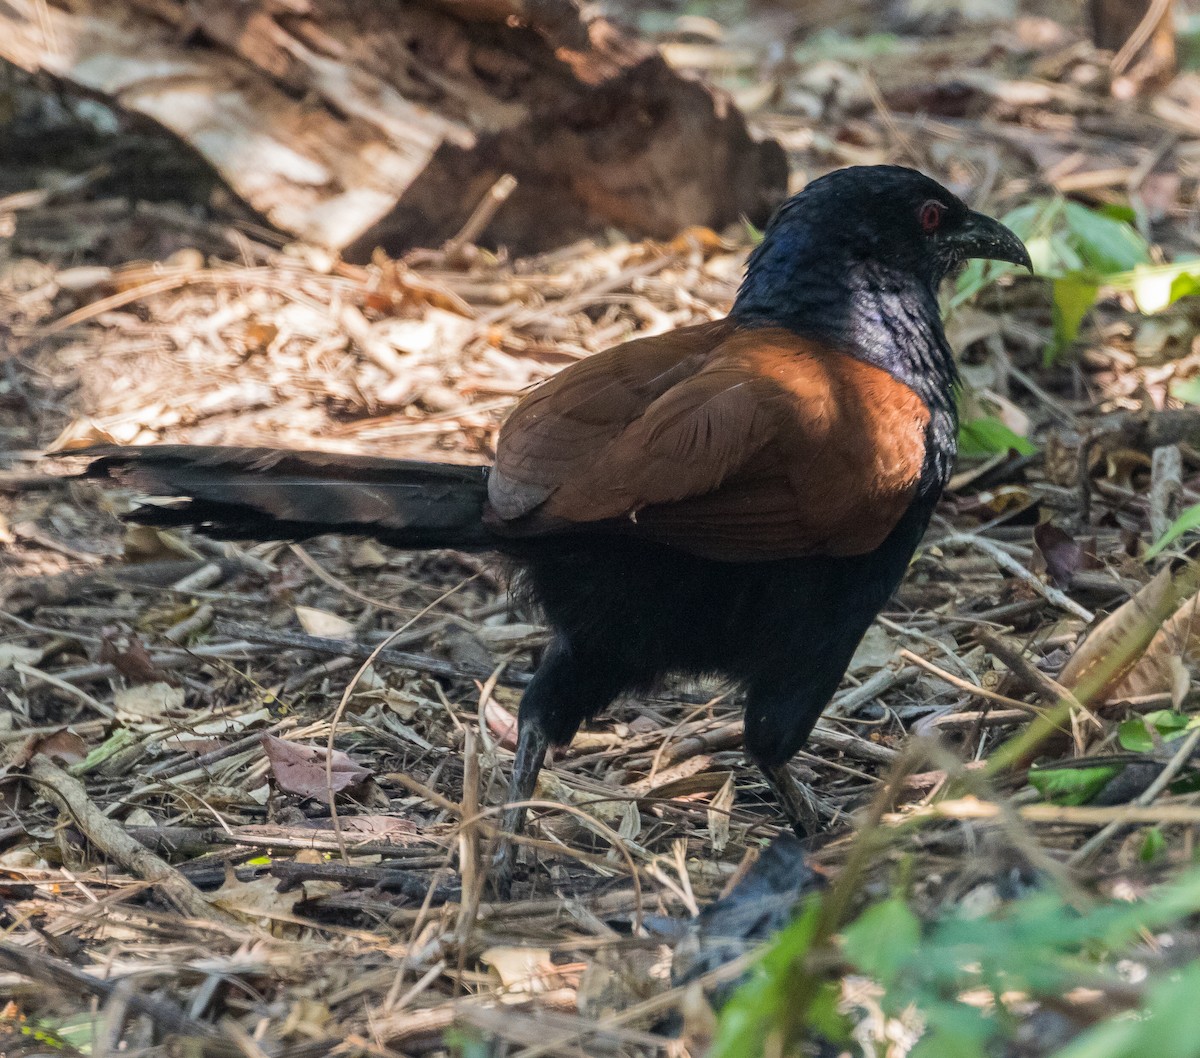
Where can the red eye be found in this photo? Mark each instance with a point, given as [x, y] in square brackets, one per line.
[931, 216]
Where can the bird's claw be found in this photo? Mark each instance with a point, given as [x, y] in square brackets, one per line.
[502, 868]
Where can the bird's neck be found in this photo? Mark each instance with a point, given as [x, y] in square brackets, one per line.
[877, 315]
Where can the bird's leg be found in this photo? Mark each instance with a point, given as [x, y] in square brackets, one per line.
[568, 688]
[796, 800]
[777, 724]
[532, 743]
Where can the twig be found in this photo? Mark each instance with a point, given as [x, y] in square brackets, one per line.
[345, 701]
[349, 648]
[336, 582]
[86, 727]
[1166, 487]
[205, 577]
[192, 625]
[469, 860]
[173, 769]
[67, 688]
[979, 718]
[198, 840]
[1057, 815]
[69, 795]
[481, 216]
[1049, 687]
[164, 662]
[852, 745]
[964, 685]
[1138, 38]
[1003, 559]
[849, 702]
[59, 975]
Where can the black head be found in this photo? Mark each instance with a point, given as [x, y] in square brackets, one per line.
[854, 260]
[883, 215]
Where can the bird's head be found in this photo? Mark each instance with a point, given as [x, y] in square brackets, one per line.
[895, 219]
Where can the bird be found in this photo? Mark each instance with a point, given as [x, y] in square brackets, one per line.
[738, 497]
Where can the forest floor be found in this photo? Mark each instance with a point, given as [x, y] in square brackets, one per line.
[187, 694]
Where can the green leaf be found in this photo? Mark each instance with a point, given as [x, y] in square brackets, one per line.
[988, 436]
[1168, 1026]
[1031, 223]
[1189, 519]
[1106, 245]
[883, 939]
[762, 1004]
[1189, 783]
[77, 1033]
[1187, 390]
[1072, 786]
[1154, 844]
[1134, 736]
[829, 44]
[1036, 217]
[466, 1043]
[1074, 295]
[825, 1015]
[1118, 211]
[954, 1030]
[1187, 41]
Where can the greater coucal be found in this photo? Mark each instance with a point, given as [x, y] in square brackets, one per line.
[738, 497]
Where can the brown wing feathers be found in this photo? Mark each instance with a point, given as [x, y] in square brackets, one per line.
[561, 426]
[732, 444]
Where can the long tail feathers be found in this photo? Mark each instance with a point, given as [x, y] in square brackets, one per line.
[265, 493]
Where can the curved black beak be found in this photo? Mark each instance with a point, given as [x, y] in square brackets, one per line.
[981, 236]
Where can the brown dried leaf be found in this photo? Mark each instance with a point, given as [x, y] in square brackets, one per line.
[81, 433]
[302, 769]
[63, 746]
[131, 659]
[1102, 664]
[501, 724]
[698, 237]
[143, 543]
[148, 701]
[718, 816]
[1063, 555]
[323, 623]
[528, 970]
[1163, 666]
[257, 899]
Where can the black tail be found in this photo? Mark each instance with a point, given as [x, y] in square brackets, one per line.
[268, 494]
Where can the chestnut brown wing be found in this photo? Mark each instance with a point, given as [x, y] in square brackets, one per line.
[767, 446]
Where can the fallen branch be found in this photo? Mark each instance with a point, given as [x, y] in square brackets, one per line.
[68, 794]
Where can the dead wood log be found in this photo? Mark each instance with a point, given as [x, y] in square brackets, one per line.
[360, 125]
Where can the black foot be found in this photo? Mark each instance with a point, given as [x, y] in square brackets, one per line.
[500, 872]
[531, 751]
[797, 801]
